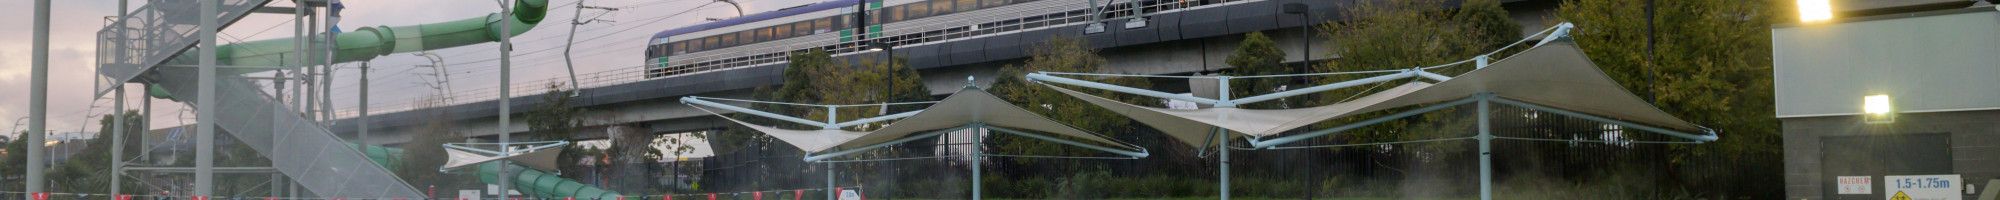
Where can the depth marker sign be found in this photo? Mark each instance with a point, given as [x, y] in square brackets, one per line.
[1922, 187]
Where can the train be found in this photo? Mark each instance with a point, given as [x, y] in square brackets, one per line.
[770, 37]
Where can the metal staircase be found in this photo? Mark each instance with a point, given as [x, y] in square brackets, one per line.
[155, 33]
[162, 30]
[300, 148]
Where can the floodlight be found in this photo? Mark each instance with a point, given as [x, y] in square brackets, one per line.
[1878, 109]
[1875, 104]
[1815, 10]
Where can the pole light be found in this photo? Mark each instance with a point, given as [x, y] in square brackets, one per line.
[1878, 109]
[1815, 10]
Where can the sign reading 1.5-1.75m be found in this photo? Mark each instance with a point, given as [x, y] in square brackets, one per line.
[1922, 187]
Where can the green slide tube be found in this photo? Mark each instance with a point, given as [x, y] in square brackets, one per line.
[530, 182]
[369, 42]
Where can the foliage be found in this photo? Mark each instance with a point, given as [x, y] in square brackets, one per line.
[554, 118]
[420, 163]
[1711, 65]
[1258, 55]
[88, 171]
[815, 77]
[1406, 34]
[1061, 54]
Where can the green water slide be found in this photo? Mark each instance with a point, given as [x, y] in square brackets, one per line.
[530, 182]
[366, 43]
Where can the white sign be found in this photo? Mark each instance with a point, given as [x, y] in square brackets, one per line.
[850, 194]
[468, 194]
[1922, 187]
[1857, 184]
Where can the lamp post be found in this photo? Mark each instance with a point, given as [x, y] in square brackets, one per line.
[1305, 29]
[1305, 46]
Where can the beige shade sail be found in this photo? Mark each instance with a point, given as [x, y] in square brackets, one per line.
[1555, 75]
[965, 107]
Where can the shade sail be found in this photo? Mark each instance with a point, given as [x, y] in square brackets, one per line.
[1194, 126]
[967, 106]
[1556, 75]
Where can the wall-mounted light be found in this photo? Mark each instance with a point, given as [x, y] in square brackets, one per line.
[1815, 10]
[1877, 109]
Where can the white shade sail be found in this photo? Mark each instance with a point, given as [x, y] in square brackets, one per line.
[967, 106]
[1556, 75]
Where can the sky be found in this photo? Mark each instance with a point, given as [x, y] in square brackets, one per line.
[394, 79]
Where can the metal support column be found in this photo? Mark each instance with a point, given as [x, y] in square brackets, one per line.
[1222, 145]
[117, 133]
[830, 193]
[361, 122]
[204, 145]
[118, 107]
[38, 100]
[1222, 150]
[978, 155]
[1485, 147]
[506, 111]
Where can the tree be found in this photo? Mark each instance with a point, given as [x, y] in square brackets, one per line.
[1406, 34]
[1061, 54]
[1711, 65]
[421, 153]
[554, 118]
[1258, 55]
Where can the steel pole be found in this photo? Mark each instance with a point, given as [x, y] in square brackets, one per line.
[146, 124]
[978, 155]
[118, 124]
[326, 85]
[1222, 146]
[361, 122]
[830, 193]
[204, 147]
[38, 100]
[117, 133]
[571, 43]
[312, 66]
[506, 112]
[1485, 148]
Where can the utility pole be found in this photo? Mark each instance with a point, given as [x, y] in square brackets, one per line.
[38, 100]
[574, 20]
[439, 73]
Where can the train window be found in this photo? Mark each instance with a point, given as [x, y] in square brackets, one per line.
[764, 34]
[728, 40]
[747, 37]
[916, 10]
[802, 29]
[992, 3]
[968, 5]
[694, 45]
[840, 21]
[875, 17]
[895, 15]
[822, 25]
[941, 7]
[711, 43]
[781, 32]
[679, 48]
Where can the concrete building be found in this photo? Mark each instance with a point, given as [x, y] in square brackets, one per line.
[1889, 88]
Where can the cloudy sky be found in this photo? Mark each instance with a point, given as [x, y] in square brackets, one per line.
[394, 79]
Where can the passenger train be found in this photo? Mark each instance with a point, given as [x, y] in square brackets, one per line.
[769, 37]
